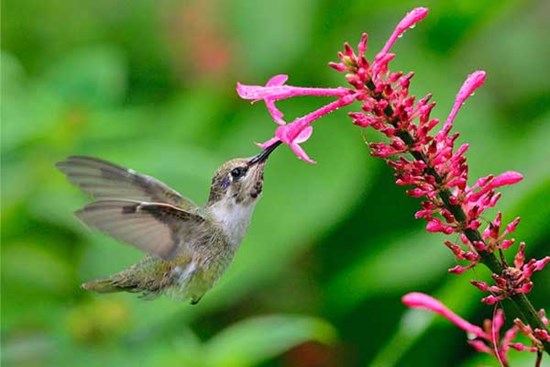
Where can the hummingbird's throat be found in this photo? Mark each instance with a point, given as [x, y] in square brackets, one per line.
[256, 190]
[248, 195]
[233, 218]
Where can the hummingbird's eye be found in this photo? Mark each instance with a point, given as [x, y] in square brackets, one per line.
[238, 172]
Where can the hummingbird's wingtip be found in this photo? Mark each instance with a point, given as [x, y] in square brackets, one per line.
[60, 165]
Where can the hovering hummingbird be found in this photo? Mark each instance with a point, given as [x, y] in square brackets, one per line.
[188, 246]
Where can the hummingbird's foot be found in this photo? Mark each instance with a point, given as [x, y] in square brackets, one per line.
[194, 301]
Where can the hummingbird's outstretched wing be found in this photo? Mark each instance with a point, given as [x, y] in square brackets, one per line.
[105, 180]
[156, 228]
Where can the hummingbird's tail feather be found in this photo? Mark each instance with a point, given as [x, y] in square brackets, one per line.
[110, 285]
[136, 279]
[106, 285]
[118, 282]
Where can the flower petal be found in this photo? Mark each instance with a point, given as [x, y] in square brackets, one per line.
[277, 80]
[300, 153]
[275, 113]
[304, 135]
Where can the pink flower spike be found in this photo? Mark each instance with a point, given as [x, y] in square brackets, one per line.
[421, 300]
[413, 17]
[474, 81]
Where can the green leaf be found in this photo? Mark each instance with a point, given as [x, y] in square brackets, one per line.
[255, 340]
[29, 111]
[420, 258]
[92, 77]
[273, 30]
[44, 270]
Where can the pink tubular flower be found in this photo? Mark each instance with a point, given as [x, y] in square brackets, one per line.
[421, 300]
[299, 130]
[486, 339]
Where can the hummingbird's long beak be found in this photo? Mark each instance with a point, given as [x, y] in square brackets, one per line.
[264, 154]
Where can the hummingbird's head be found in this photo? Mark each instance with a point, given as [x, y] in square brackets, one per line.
[240, 180]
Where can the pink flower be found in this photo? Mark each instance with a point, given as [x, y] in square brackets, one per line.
[409, 21]
[299, 130]
[486, 339]
[421, 300]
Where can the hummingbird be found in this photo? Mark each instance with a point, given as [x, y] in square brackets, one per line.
[188, 246]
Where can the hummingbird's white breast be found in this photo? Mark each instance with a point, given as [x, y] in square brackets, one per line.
[233, 218]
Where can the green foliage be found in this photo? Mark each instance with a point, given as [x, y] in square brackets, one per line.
[146, 85]
[256, 339]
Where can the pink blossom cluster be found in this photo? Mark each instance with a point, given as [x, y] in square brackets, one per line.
[514, 280]
[486, 339]
[425, 160]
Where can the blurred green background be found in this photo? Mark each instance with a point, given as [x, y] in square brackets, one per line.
[331, 248]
